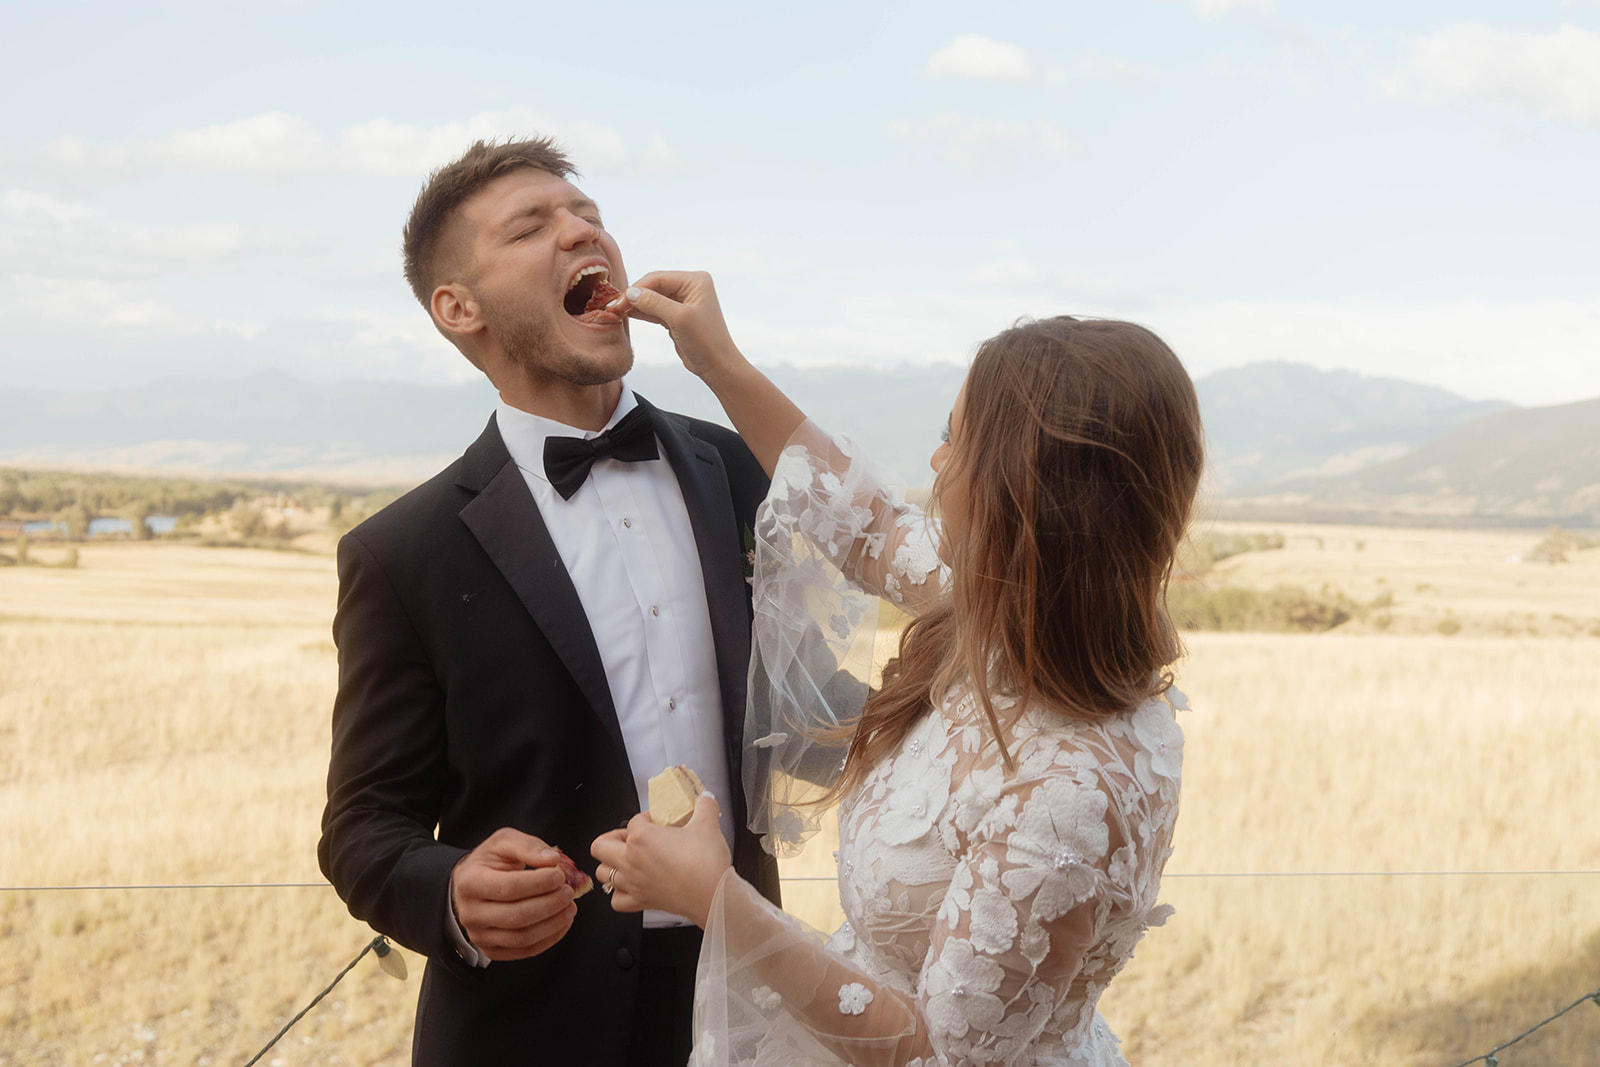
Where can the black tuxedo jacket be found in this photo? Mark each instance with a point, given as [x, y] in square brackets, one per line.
[471, 697]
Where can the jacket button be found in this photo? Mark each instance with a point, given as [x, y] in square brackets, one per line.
[624, 959]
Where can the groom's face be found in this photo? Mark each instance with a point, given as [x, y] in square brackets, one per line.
[537, 250]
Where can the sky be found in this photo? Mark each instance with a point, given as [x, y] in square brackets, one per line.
[215, 189]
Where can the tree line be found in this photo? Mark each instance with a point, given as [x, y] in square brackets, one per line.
[72, 500]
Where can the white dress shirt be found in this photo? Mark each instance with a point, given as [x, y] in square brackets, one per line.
[630, 551]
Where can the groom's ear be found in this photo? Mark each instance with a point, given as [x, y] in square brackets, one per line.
[457, 312]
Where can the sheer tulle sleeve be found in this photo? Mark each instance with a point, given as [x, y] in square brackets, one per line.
[1042, 870]
[832, 537]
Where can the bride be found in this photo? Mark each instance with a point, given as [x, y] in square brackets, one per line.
[1008, 793]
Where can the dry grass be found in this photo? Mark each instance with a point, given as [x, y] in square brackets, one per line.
[163, 718]
[1362, 753]
[1468, 582]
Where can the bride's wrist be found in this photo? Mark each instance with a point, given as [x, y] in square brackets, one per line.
[708, 898]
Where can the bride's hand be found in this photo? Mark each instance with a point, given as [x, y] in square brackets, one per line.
[685, 302]
[671, 868]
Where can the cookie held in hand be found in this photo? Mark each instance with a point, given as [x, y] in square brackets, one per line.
[672, 794]
[580, 882]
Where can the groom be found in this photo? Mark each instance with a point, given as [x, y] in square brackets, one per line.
[528, 637]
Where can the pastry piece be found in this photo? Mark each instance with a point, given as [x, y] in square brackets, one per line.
[581, 883]
[672, 794]
[604, 293]
[588, 292]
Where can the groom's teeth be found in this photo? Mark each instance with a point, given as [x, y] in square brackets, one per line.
[585, 272]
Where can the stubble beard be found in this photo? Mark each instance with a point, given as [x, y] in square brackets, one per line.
[529, 340]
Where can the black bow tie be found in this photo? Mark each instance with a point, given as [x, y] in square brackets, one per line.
[567, 459]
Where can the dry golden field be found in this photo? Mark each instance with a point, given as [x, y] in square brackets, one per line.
[163, 719]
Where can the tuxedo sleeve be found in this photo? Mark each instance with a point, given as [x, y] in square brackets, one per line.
[388, 769]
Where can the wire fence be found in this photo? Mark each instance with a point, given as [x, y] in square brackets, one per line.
[393, 963]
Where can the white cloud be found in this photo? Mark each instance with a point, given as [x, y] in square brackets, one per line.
[46, 237]
[972, 142]
[972, 55]
[276, 146]
[1556, 75]
[108, 311]
[1210, 9]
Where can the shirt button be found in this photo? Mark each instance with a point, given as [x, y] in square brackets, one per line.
[657, 611]
[672, 705]
[627, 523]
[624, 959]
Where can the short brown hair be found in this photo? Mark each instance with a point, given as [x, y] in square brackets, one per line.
[450, 185]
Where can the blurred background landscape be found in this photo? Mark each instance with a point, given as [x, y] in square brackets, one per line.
[1367, 229]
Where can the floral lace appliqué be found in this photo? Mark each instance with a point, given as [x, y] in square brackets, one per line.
[767, 999]
[854, 998]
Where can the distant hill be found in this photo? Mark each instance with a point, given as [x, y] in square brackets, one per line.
[1270, 421]
[1265, 423]
[391, 432]
[1533, 466]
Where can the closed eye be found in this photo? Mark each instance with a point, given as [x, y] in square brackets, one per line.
[944, 434]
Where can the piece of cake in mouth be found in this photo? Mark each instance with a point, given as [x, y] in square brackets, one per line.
[591, 290]
[672, 795]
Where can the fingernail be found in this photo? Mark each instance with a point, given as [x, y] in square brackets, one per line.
[615, 303]
[708, 793]
[633, 293]
[550, 855]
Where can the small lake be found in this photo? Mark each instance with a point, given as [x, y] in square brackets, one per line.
[158, 524]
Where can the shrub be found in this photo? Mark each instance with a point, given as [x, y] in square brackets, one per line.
[1557, 544]
[1284, 609]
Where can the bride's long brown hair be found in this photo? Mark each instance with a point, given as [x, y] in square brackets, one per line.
[1081, 449]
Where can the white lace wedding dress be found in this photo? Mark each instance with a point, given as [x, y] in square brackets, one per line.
[986, 911]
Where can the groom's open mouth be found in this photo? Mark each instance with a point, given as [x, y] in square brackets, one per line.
[588, 294]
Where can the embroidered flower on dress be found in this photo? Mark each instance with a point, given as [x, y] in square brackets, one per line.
[1059, 836]
[1160, 754]
[994, 922]
[960, 988]
[919, 791]
[1120, 869]
[854, 998]
[976, 795]
[767, 999]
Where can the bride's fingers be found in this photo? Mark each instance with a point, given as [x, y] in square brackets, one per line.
[651, 306]
[679, 286]
[621, 901]
[610, 847]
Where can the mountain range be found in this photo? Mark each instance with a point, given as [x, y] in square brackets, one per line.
[1285, 440]
[1530, 466]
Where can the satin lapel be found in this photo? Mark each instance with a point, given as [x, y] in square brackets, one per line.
[709, 501]
[507, 523]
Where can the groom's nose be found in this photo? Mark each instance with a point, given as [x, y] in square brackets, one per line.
[576, 232]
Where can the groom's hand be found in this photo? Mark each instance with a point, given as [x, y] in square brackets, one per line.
[510, 896]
